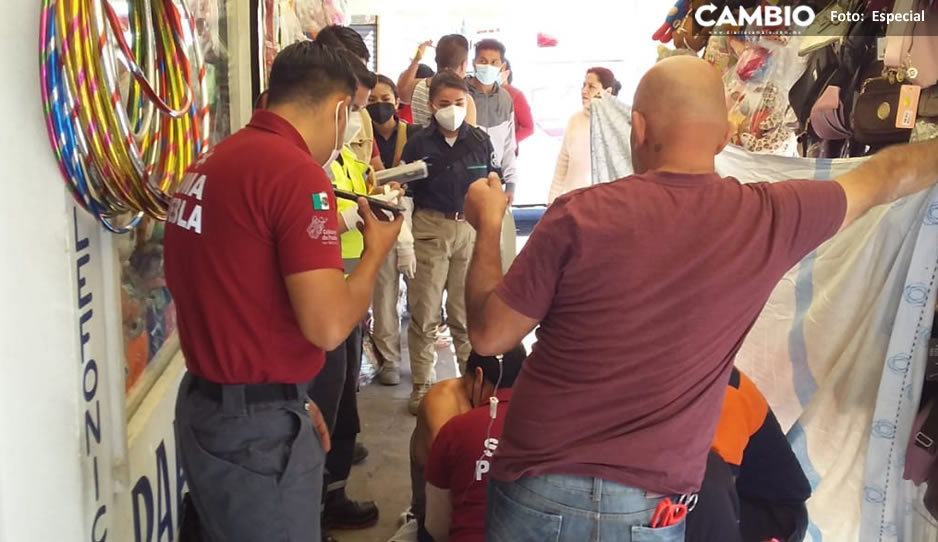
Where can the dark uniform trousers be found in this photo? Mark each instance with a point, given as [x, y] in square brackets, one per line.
[335, 392]
[254, 470]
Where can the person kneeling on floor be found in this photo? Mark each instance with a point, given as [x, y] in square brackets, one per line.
[456, 473]
[445, 400]
[754, 488]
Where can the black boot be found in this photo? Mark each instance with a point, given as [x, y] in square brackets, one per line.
[342, 513]
[359, 454]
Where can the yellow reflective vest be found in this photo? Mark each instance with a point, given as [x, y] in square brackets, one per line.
[351, 175]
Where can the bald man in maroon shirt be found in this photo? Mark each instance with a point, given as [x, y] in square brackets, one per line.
[643, 290]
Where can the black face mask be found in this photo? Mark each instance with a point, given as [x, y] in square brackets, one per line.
[381, 112]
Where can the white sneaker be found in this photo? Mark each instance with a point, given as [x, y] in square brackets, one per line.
[407, 532]
[406, 516]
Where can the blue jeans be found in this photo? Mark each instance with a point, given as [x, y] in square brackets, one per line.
[572, 508]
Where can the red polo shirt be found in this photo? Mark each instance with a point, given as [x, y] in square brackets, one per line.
[459, 462]
[253, 210]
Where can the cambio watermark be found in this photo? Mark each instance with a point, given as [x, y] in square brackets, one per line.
[761, 16]
[794, 20]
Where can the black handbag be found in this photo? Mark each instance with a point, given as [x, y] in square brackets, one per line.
[822, 66]
[874, 115]
[859, 46]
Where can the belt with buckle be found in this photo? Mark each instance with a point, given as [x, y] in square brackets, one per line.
[458, 217]
[253, 393]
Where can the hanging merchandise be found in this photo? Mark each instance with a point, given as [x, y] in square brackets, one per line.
[673, 21]
[877, 115]
[125, 119]
[827, 29]
[912, 47]
[211, 22]
[756, 95]
[283, 22]
[688, 33]
[821, 69]
[723, 51]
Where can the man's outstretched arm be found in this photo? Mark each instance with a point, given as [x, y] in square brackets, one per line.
[890, 174]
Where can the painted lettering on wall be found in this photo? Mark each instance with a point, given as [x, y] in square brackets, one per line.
[153, 502]
[89, 385]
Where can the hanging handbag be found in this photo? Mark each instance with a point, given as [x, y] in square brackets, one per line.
[913, 46]
[822, 65]
[827, 30]
[826, 119]
[875, 113]
[928, 103]
[857, 52]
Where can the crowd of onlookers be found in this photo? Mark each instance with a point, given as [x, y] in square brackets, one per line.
[641, 291]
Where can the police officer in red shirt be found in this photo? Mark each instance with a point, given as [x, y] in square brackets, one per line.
[253, 263]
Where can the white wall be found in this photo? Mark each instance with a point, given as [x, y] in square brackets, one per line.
[40, 478]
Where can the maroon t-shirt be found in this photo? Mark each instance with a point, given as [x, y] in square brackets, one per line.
[645, 289]
[460, 460]
[254, 210]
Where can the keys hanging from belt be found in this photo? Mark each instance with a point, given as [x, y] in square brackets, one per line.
[689, 500]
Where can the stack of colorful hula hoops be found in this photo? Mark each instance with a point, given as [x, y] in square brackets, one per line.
[125, 119]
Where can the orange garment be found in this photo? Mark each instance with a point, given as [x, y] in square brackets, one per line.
[744, 412]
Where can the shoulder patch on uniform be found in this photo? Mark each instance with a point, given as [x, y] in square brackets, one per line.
[321, 202]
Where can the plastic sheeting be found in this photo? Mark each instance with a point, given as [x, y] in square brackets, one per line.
[839, 349]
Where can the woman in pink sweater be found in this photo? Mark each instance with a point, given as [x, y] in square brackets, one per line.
[573, 163]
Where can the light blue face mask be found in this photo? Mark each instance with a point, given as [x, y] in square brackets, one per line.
[487, 74]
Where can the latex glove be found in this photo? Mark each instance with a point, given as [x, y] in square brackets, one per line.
[406, 237]
[406, 260]
[351, 218]
[393, 197]
[391, 193]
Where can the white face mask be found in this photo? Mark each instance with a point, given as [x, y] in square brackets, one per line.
[488, 74]
[451, 117]
[353, 126]
[338, 144]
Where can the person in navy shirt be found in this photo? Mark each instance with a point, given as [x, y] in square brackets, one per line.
[457, 154]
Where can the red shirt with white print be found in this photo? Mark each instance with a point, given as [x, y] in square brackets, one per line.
[252, 211]
[460, 459]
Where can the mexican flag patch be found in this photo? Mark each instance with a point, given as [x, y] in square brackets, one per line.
[321, 201]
